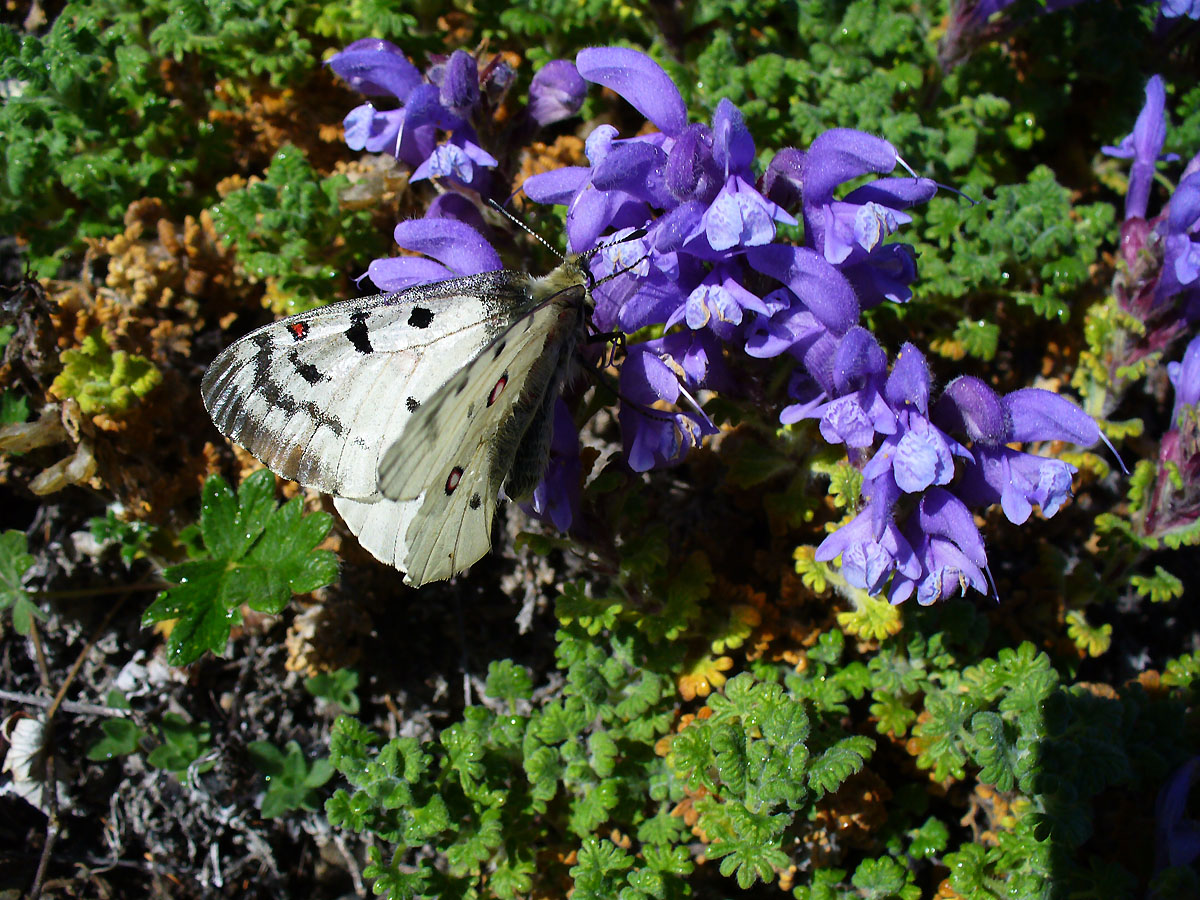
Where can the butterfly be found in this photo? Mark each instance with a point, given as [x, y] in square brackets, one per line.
[413, 409]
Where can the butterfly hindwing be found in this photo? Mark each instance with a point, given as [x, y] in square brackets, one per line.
[458, 450]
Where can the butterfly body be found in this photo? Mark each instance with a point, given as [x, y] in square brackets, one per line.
[413, 409]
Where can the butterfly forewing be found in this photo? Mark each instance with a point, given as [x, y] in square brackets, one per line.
[318, 396]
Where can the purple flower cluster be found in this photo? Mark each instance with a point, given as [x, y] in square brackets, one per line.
[917, 527]
[706, 271]
[1162, 253]
[431, 122]
[710, 228]
[1172, 500]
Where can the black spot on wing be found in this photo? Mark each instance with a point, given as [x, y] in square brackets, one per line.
[358, 334]
[475, 501]
[305, 370]
[499, 348]
[412, 404]
[420, 317]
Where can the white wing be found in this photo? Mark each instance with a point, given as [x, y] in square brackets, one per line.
[380, 526]
[318, 396]
[454, 457]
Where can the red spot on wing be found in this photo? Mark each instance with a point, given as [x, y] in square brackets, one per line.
[299, 330]
[452, 481]
[498, 389]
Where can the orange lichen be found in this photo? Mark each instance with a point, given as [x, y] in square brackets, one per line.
[326, 636]
[567, 150]
[705, 675]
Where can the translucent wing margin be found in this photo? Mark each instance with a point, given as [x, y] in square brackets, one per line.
[456, 453]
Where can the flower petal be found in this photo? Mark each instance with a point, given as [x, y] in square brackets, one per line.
[640, 80]
[376, 68]
[818, 285]
[1039, 415]
[456, 245]
[556, 93]
[838, 155]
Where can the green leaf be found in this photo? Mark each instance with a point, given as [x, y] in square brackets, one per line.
[121, 737]
[508, 681]
[513, 878]
[183, 743]
[929, 840]
[260, 556]
[102, 380]
[884, 878]
[1160, 587]
[336, 687]
[131, 536]
[291, 782]
[14, 408]
[827, 771]
[15, 561]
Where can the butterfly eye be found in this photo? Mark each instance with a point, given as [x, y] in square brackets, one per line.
[452, 481]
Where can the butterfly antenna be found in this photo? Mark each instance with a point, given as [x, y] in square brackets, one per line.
[541, 240]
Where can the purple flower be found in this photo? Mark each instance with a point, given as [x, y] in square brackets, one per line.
[1185, 378]
[719, 302]
[1172, 501]
[739, 216]
[640, 80]
[376, 68]
[1144, 146]
[457, 248]
[1178, 837]
[556, 93]
[815, 282]
[457, 160]
[654, 372]
[997, 473]
[784, 179]
[918, 453]
[860, 411]
[947, 544]
[1181, 243]
[444, 101]
[1177, 9]
[458, 83]
[871, 546]
[557, 498]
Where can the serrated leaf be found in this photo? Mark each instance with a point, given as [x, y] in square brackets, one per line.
[508, 681]
[260, 556]
[827, 771]
[291, 781]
